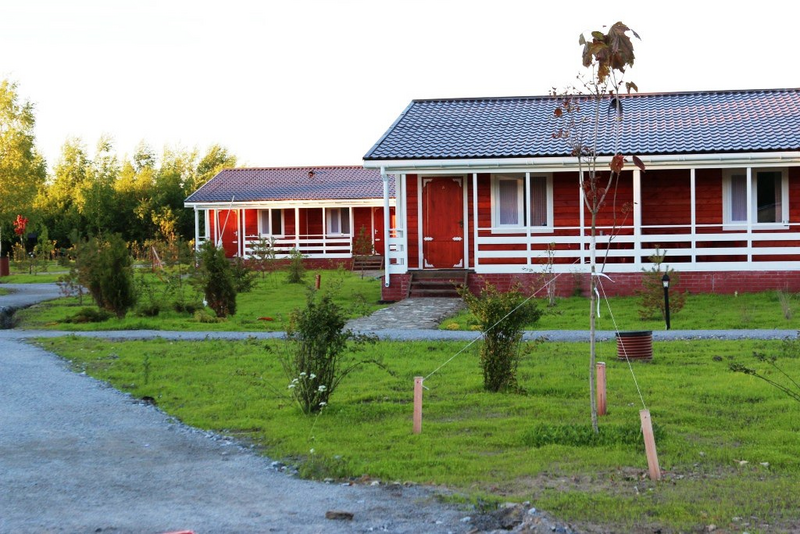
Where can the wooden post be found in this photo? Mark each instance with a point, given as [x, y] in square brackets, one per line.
[417, 404]
[317, 281]
[601, 388]
[650, 445]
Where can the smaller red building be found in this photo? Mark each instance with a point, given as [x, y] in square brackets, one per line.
[321, 212]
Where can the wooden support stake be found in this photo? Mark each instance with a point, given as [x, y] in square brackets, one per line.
[650, 445]
[601, 388]
[417, 404]
[317, 281]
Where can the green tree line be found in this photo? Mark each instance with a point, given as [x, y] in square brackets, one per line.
[87, 192]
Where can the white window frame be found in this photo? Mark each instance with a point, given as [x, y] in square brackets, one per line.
[268, 231]
[523, 209]
[344, 215]
[727, 199]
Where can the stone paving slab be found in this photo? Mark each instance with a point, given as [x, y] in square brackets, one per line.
[413, 313]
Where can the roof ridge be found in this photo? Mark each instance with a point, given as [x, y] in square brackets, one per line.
[653, 93]
[304, 168]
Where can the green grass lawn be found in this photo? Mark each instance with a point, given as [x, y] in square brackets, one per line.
[265, 308]
[701, 312]
[728, 443]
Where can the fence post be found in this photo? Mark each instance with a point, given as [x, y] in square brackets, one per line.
[650, 445]
[317, 281]
[417, 404]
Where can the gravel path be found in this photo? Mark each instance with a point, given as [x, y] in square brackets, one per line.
[79, 456]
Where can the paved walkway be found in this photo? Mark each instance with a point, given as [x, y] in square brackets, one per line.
[409, 314]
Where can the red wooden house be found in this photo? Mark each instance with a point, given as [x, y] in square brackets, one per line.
[484, 186]
[319, 211]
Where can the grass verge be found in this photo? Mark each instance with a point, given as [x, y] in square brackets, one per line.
[265, 308]
[728, 443]
[766, 310]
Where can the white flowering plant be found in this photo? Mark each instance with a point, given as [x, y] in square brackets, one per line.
[321, 352]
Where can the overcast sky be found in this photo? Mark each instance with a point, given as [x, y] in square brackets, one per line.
[306, 82]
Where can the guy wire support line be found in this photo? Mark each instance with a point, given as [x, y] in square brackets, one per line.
[624, 351]
[468, 345]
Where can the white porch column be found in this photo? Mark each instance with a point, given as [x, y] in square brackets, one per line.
[693, 212]
[386, 230]
[217, 233]
[352, 228]
[527, 217]
[241, 232]
[637, 217]
[297, 229]
[582, 217]
[401, 219]
[749, 214]
[196, 229]
[475, 217]
[325, 230]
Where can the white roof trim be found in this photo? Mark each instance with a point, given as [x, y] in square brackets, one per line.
[674, 161]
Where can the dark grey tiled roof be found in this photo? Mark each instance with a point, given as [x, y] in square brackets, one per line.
[668, 123]
[292, 183]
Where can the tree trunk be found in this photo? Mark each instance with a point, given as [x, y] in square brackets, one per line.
[593, 320]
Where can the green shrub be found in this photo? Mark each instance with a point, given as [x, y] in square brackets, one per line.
[296, 271]
[316, 362]
[105, 268]
[244, 278]
[217, 280]
[502, 316]
[651, 305]
[89, 315]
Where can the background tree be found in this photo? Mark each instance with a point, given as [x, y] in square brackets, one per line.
[585, 118]
[22, 169]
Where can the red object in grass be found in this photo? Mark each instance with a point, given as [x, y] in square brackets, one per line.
[20, 223]
[266, 319]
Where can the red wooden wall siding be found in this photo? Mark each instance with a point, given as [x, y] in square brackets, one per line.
[212, 223]
[251, 222]
[708, 194]
[666, 199]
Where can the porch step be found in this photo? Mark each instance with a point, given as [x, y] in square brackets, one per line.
[368, 263]
[439, 283]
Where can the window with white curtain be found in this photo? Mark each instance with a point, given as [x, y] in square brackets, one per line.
[338, 221]
[769, 192]
[512, 210]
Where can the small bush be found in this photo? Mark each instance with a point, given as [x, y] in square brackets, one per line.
[105, 268]
[202, 316]
[296, 271]
[316, 363]
[244, 278]
[502, 316]
[89, 315]
[217, 280]
[651, 305]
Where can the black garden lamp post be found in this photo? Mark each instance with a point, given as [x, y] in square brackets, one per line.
[665, 283]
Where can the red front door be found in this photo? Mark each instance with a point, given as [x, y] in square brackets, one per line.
[229, 226]
[443, 223]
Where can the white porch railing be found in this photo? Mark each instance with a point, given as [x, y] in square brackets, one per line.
[311, 246]
[696, 248]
